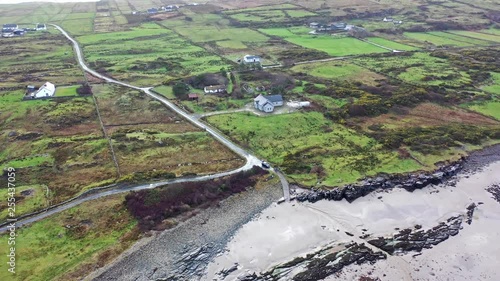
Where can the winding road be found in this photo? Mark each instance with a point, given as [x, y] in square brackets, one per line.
[251, 160]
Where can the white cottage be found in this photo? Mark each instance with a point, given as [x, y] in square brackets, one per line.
[47, 90]
[268, 103]
[249, 59]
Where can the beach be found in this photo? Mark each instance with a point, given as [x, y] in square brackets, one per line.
[284, 232]
[250, 234]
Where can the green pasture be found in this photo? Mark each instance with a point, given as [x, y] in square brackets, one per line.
[419, 68]
[391, 44]
[494, 86]
[482, 36]
[333, 46]
[298, 142]
[435, 38]
[213, 33]
[148, 55]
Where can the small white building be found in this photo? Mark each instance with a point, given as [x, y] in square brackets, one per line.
[41, 26]
[249, 59]
[214, 89]
[298, 104]
[267, 103]
[47, 90]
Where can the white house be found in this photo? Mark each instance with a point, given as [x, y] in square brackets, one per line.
[41, 26]
[267, 103]
[388, 19]
[251, 59]
[47, 90]
[214, 89]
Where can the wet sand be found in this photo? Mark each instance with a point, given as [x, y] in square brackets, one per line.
[283, 232]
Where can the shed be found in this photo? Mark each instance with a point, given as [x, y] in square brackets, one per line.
[193, 97]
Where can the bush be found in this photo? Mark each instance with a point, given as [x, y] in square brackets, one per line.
[151, 207]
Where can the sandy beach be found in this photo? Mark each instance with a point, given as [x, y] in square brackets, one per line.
[282, 232]
[250, 233]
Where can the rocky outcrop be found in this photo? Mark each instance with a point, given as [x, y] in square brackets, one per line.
[409, 182]
[319, 265]
[495, 191]
[417, 239]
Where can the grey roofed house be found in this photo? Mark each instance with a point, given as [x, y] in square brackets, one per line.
[267, 103]
[251, 59]
[152, 11]
[10, 26]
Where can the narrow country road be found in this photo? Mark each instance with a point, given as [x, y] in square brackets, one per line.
[251, 160]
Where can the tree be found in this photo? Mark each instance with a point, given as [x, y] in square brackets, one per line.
[180, 90]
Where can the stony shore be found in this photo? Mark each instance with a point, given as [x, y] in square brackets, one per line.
[183, 252]
[250, 236]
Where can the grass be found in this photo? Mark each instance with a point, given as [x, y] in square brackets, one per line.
[338, 70]
[150, 56]
[329, 44]
[494, 87]
[490, 108]
[482, 36]
[391, 44]
[299, 13]
[38, 199]
[419, 68]
[67, 91]
[213, 33]
[89, 234]
[50, 59]
[435, 38]
[166, 91]
[300, 141]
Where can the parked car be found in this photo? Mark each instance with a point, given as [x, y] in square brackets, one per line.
[265, 165]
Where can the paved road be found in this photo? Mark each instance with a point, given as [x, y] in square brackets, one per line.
[251, 160]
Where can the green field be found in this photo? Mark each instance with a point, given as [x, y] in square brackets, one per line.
[482, 36]
[494, 86]
[148, 55]
[299, 142]
[419, 68]
[212, 33]
[391, 44]
[491, 108]
[329, 44]
[67, 91]
[338, 70]
[437, 38]
[300, 13]
[64, 242]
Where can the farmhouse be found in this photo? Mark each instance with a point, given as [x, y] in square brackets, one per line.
[388, 19]
[314, 25]
[331, 27]
[40, 26]
[214, 89]
[249, 59]
[152, 11]
[193, 97]
[9, 27]
[47, 90]
[267, 103]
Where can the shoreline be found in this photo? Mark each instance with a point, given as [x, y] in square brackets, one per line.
[297, 230]
[193, 249]
[184, 251]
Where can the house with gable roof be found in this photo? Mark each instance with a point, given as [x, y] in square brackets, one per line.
[267, 103]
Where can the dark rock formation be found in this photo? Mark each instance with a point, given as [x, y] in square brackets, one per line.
[409, 182]
[495, 191]
[417, 239]
[470, 212]
[319, 265]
